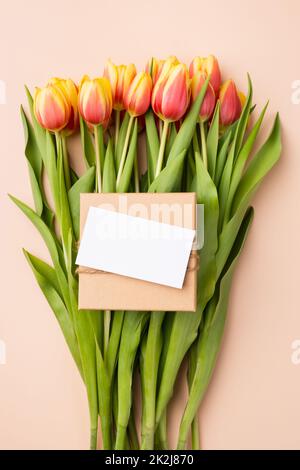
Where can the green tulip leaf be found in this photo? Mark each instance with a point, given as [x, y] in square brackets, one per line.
[40, 133]
[109, 172]
[212, 141]
[66, 221]
[37, 197]
[244, 119]
[211, 334]
[32, 151]
[241, 162]
[51, 244]
[152, 143]
[222, 157]
[169, 178]
[121, 140]
[127, 170]
[35, 166]
[46, 278]
[74, 176]
[85, 184]
[259, 166]
[87, 144]
[104, 399]
[233, 152]
[134, 323]
[171, 138]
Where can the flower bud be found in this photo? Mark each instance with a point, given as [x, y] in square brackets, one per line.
[209, 100]
[138, 97]
[155, 66]
[51, 108]
[171, 93]
[231, 103]
[208, 65]
[70, 92]
[120, 78]
[95, 100]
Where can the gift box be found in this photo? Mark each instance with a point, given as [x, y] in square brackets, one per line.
[103, 290]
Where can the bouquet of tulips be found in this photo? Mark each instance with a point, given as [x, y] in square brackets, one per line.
[197, 135]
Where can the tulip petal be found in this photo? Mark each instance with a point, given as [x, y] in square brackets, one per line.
[175, 98]
[51, 108]
[230, 103]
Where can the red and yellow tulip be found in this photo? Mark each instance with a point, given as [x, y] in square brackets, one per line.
[70, 91]
[154, 66]
[95, 100]
[51, 107]
[209, 100]
[120, 78]
[171, 93]
[210, 66]
[138, 97]
[231, 103]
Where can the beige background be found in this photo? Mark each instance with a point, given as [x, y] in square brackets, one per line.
[254, 398]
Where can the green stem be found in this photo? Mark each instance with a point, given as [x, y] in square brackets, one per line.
[98, 147]
[195, 434]
[192, 366]
[132, 432]
[66, 163]
[124, 152]
[149, 378]
[57, 142]
[121, 437]
[114, 343]
[160, 128]
[107, 318]
[85, 336]
[107, 383]
[162, 148]
[117, 127]
[161, 437]
[105, 411]
[93, 439]
[60, 157]
[136, 175]
[196, 143]
[203, 143]
[133, 327]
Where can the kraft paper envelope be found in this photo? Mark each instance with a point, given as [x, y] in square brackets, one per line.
[100, 290]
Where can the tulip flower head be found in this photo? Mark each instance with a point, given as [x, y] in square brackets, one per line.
[171, 93]
[155, 66]
[51, 107]
[209, 100]
[70, 92]
[95, 100]
[231, 103]
[210, 67]
[120, 78]
[138, 97]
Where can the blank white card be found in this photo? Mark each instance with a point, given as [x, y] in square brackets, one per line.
[135, 247]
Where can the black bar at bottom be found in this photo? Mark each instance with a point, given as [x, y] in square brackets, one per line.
[143, 459]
